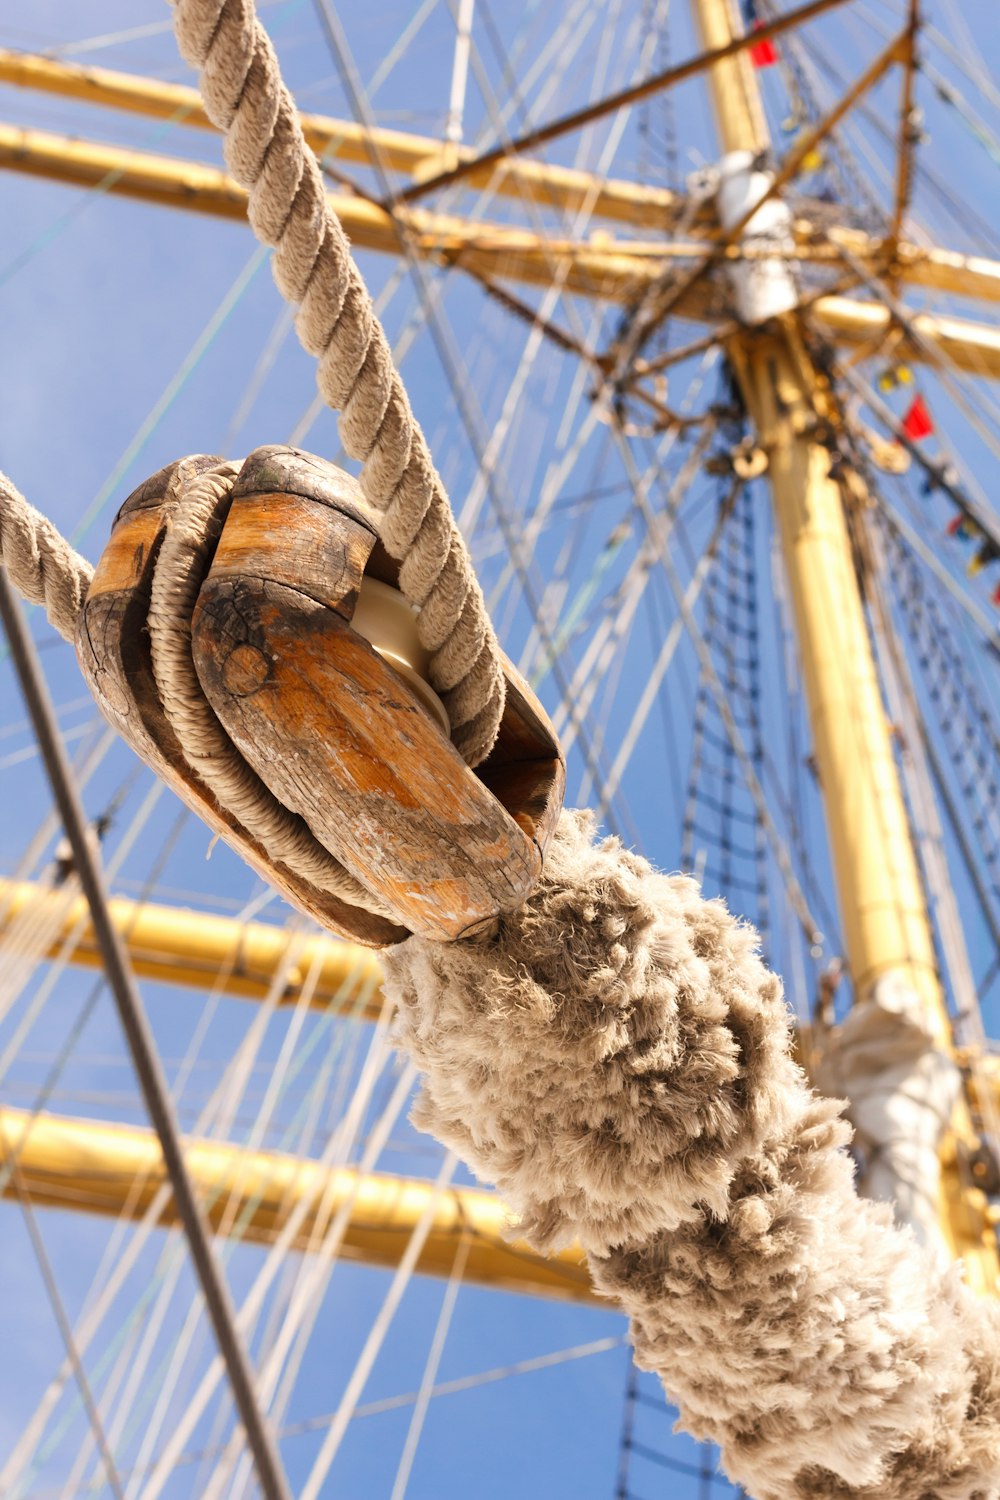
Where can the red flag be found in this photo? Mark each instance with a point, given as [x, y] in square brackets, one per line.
[763, 54]
[955, 525]
[917, 423]
[996, 596]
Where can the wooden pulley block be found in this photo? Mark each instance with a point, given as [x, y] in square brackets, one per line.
[307, 655]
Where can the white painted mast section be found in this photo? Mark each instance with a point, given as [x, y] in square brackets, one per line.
[459, 71]
[763, 288]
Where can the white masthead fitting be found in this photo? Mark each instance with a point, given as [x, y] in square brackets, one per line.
[763, 286]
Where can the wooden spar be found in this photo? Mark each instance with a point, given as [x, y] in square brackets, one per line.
[487, 249]
[116, 1170]
[549, 186]
[200, 950]
[203, 951]
[615, 270]
[969, 347]
[938, 270]
[505, 171]
[907, 135]
[880, 894]
[565, 188]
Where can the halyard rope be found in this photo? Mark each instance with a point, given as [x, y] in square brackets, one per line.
[265, 150]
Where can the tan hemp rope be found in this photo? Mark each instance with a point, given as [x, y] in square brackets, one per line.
[43, 567]
[244, 95]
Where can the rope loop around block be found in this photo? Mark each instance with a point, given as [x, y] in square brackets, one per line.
[198, 501]
[45, 570]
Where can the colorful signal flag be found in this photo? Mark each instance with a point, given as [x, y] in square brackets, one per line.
[917, 422]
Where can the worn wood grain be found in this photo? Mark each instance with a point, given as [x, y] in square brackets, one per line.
[339, 737]
[114, 655]
[526, 771]
[328, 725]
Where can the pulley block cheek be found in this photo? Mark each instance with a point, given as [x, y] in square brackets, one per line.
[114, 651]
[347, 735]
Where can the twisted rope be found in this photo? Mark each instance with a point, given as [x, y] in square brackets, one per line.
[265, 150]
[43, 567]
[618, 1061]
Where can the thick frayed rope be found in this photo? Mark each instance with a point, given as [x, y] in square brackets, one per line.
[42, 565]
[196, 506]
[266, 152]
[617, 1061]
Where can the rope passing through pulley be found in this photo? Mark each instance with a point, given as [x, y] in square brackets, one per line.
[288, 209]
[245, 634]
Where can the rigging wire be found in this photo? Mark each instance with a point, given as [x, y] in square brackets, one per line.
[142, 1046]
[63, 1323]
[294, 1316]
[466, 406]
[122, 1256]
[223, 1127]
[986, 628]
[651, 691]
[732, 589]
[379, 1407]
[376, 1335]
[609, 638]
[64, 955]
[182, 1429]
[434, 1354]
[806, 109]
[948, 95]
[11, 1477]
[795, 893]
[965, 722]
[216, 322]
[176, 1364]
[951, 955]
[959, 212]
[953, 379]
[72, 705]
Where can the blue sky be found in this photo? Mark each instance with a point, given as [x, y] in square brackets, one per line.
[105, 305]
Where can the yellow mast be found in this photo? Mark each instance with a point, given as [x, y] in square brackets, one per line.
[547, 184]
[890, 953]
